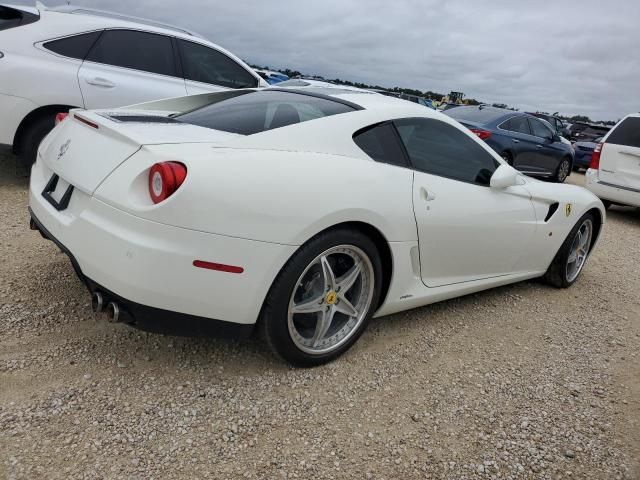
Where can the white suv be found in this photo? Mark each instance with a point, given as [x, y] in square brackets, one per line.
[614, 173]
[52, 60]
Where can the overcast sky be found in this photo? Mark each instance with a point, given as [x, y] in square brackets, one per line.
[571, 56]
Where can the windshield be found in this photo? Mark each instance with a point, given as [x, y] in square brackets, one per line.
[259, 111]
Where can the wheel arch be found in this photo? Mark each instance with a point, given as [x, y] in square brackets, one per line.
[371, 232]
[31, 117]
[599, 216]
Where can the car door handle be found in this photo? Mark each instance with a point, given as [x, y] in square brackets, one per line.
[100, 82]
[516, 141]
[426, 195]
[538, 146]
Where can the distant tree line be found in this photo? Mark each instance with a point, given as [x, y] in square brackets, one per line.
[427, 94]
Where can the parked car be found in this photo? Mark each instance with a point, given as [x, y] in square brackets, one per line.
[448, 106]
[583, 153]
[526, 142]
[271, 77]
[614, 172]
[416, 99]
[555, 122]
[53, 60]
[287, 223]
[590, 133]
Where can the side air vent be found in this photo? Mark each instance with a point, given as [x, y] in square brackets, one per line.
[552, 209]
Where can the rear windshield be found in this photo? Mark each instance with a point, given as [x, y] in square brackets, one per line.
[627, 133]
[255, 112]
[475, 114]
[11, 17]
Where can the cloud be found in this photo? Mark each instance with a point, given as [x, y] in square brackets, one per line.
[575, 56]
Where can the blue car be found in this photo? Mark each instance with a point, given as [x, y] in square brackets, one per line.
[527, 143]
[583, 153]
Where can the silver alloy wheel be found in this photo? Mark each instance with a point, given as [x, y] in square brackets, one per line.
[331, 299]
[579, 250]
[563, 170]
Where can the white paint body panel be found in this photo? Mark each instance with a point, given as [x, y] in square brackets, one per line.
[32, 76]
[253, 200]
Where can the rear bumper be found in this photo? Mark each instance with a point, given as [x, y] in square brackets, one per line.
[150, 318]
[148, 266]
[615, 194]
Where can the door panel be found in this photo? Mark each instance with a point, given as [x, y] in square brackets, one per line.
[469, 232]
[194, 88]
[104, 86]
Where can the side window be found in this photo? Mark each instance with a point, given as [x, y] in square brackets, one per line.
[627, 133]
[382, 144]
[12, 17]
[539, 129]
[519, 125]
[206, 65]
[440, 149]
[148, 52]
[74, 47]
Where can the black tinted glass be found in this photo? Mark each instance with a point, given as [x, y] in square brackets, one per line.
[475, 114]
[382, 144]
[75, 47]
[519, 125]
[11, 17]
[204, 64]
[539, 129]
[255, 112]
[627, 133]
[441, 149]
[138, 50]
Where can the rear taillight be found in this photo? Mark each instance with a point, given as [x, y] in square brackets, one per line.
[595, 157]
[164, 179]
[60, 117]
[482, 134]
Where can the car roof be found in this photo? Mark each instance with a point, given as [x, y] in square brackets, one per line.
[76, 10]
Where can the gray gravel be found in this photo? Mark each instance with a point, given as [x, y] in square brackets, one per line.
[520, 382]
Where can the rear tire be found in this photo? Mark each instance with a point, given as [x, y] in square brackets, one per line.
[560, 274]
[32, 137]
[506, 156]
[563, 171]
[298, 336]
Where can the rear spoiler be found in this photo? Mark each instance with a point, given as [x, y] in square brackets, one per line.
[179, 105]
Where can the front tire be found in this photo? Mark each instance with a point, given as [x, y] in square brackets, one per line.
[572, 256]
[323, 298]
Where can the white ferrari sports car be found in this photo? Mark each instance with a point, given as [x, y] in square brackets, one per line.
[302, 212]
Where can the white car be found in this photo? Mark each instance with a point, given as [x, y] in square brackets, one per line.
[52, 60]
[614, 173]
[305, 211]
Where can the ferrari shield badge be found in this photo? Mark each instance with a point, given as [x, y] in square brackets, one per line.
[567, 209]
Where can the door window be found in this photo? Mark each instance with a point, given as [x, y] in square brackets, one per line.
[206, 65]
[381, 143]
[627, 133]
[438, 148]
[519, 125]
[76, 46]
[144, 51]
[539, 129]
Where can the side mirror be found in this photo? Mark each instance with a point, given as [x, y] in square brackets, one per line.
[556, 138]
[504, 176]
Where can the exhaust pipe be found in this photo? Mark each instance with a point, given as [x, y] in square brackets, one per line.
[113, 312]
[97, 302]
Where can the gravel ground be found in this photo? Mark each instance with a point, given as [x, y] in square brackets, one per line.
[524, 381]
